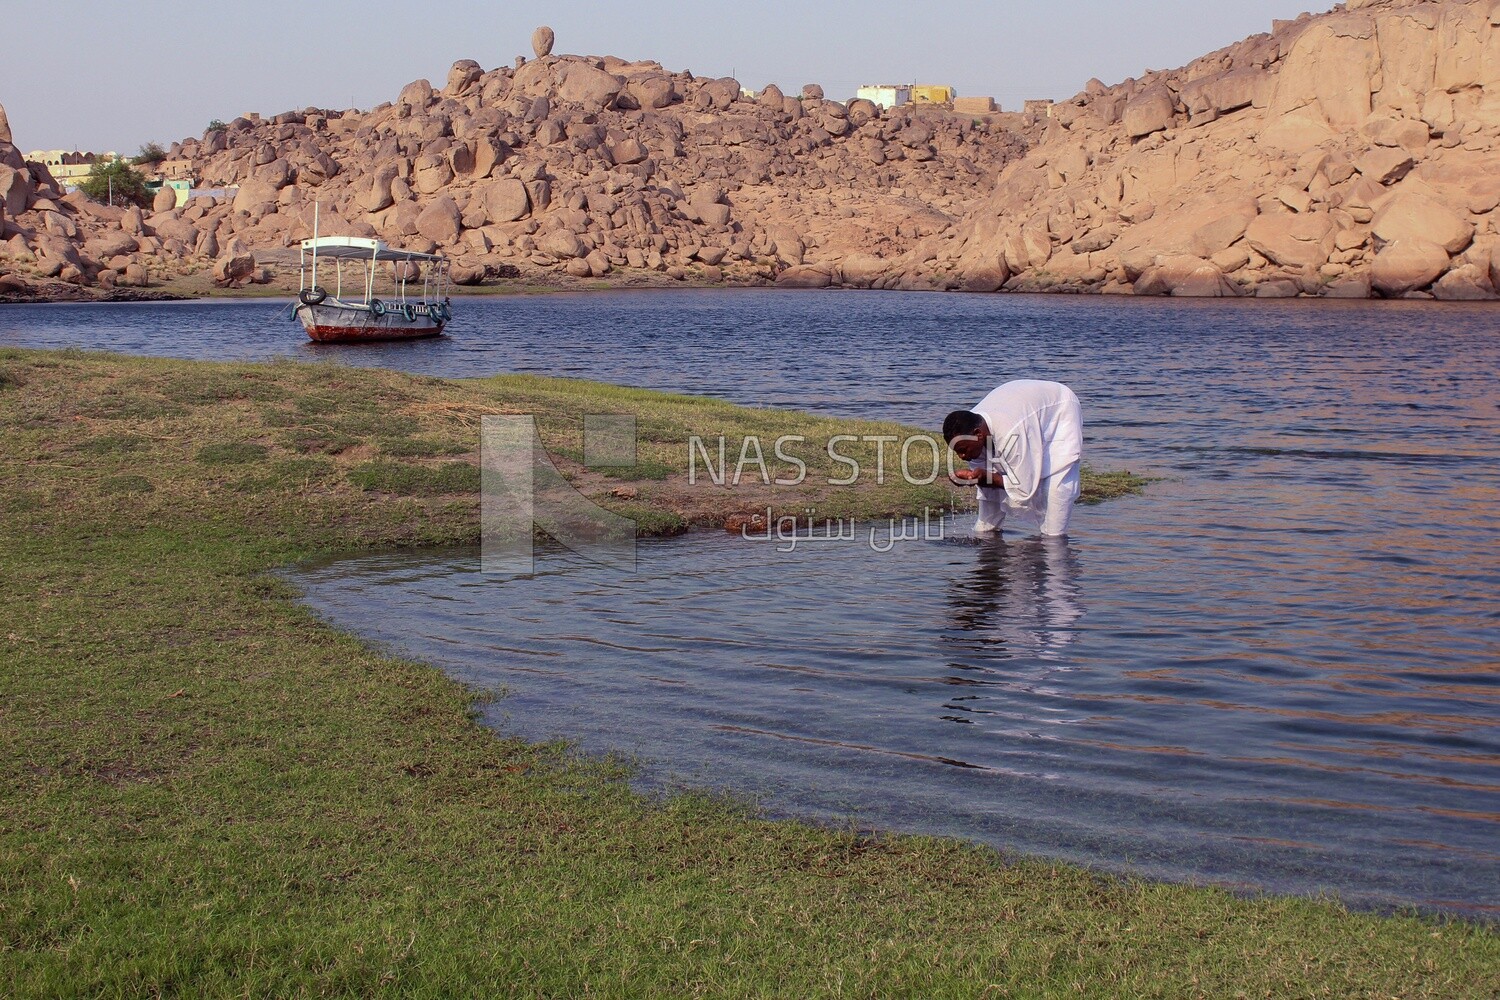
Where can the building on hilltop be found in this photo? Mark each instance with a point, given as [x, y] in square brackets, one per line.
[894, 95]
[932, 93]
[975, 105]
[886, 95]
[68, 167]
[1040, 108]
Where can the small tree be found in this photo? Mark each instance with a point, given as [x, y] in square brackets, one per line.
[116, 182]
[150, 153]
[217, 125]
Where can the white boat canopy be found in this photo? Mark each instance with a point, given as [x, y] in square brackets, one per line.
[360, 248]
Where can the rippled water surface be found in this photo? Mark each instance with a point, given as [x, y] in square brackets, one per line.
[1278, 669]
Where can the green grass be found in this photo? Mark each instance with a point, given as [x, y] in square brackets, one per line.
[416, 480]
[232, 453]
[204, 791]
[1101, 486]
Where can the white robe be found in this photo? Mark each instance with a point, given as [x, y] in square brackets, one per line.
[1036, 443]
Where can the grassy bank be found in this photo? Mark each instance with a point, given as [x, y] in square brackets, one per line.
[204, 791]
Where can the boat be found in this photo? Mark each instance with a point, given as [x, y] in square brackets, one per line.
[418, 305]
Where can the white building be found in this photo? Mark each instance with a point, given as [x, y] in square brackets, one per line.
[886, 95]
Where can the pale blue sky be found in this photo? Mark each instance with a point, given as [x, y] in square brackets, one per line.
[110, 75]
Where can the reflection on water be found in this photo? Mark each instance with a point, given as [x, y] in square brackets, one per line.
[1022, 597]
[1278, 670]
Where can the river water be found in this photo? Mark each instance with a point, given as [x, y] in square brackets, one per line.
[1280, 669]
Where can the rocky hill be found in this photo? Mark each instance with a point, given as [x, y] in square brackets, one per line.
[1349, 154]
[560, 163]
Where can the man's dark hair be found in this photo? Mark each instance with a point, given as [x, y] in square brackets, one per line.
[961, 423]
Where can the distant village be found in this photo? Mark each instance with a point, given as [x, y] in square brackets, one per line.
[71, 168]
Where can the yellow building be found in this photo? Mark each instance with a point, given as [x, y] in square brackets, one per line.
[932, 93]
[68, 167]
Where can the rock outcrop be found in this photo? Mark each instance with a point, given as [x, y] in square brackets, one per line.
[1338, 154]
[624, 165]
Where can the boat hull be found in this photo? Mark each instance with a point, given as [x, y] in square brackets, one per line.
[331, 324]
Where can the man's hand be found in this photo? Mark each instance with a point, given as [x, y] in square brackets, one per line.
[975, 477]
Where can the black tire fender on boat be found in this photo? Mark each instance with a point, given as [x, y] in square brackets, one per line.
[410, 312]
[435, 311]
[313, 296]
[447, 311]
[377, 308]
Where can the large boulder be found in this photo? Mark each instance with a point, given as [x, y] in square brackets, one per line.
[652, 92]
[1412, 216]
[1199, 229]
[375, 192]
[1185, 276]
[1384, 165]
[255, 198]
[277, 173]
[723, 92]
[431, 173]
[15, 190]
[1204, 281]
[1151, 111]
[1294, 240]
[417, 94]
[462, 78]
[505, 200]
[861, 110]
[585, 84]
[1225, 93]
[563, 244]
[173, 227]
[541, 41]
[862, 270]
[317, 169]
[461, 159]
[165, 200]
[234, 269]
[1405, 133]
[441, 222]
[627, 150]
[1467, 283]
[487, 156]
[5, 135]
[1407, 265]
[111, 243]
[981, 277]
[1332, 67]
[805, 276]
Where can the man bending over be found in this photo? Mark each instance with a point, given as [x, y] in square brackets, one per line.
[1023, 443]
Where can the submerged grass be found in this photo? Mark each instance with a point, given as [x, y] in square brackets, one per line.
[204, 791]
